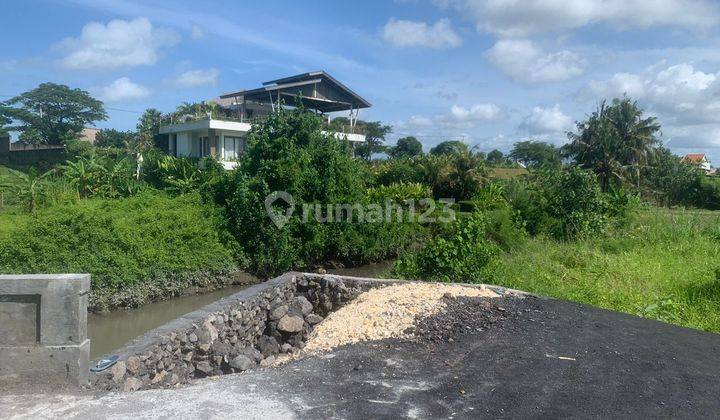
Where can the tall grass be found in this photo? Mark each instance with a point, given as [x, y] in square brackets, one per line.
[664, 266]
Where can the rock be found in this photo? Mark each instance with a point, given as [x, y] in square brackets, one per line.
[290, 324]
[158, 377]
[174, 379]
[133, 364]
[286, 348]
[268, 361]
[132, 384]
[313, 319]
[305, 306]
[193, 338]
[251, 353]
[268, 345]
[204, 367]
[188, 356]
[205, 348]
[242, 363]
[118, 371]
[278, 312]
[208, 333]
[221, 349]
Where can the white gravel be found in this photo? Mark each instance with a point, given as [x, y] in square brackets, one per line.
[385, 312]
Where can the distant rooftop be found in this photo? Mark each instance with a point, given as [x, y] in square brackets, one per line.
[316, 90]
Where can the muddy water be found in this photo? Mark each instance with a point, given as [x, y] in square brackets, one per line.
[112, 330]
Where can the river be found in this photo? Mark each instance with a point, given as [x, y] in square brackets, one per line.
[110, 331]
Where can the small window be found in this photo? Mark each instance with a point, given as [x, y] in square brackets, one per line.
[234, 147]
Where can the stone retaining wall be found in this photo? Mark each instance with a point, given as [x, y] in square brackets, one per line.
[237, 333]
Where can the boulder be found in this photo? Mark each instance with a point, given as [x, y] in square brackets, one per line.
[305, 306]
[118, 372]
[242, 363]
[204, 367]
[268, 345]
[132, 384]
[278, 312]
[313, 319]
[290, 324]
[133, 364]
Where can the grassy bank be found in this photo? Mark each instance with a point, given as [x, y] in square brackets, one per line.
[137, 249]
[663, 266]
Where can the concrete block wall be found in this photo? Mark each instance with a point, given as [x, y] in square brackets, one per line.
[43, 329]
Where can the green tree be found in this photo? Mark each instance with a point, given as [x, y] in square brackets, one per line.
[536, 154]
[109, 137]
[54, 113]
[148, 127]
[496, 157]
[450, 147]
[406, 147]
[614, 141]
[375, 133]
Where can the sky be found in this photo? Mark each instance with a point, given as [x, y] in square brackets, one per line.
[488, 72]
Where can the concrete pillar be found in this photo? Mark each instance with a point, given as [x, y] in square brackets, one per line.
[43, 329]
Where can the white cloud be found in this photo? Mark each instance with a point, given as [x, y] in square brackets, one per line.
[120, 43]
[525, 62]
[123, 89]
[405, 33]
[477, 112]
[678, 93]
[547, 121]
[196, 32]
[514, 18]
[195, 78]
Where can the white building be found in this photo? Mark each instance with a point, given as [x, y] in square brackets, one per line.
[225, 137]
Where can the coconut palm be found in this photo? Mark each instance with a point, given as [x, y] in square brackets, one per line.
[613, 140]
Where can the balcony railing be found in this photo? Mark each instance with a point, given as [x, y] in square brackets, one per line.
[345, 129]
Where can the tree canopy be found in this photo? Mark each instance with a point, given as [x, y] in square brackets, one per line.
[496, 157]
[615, 141]
[53, 113]
[406, 147]
[148, 127]
[375, 133]
[109, 137]
[536, 154]
[450, 147]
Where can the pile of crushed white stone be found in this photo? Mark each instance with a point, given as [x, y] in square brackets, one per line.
[386, 312]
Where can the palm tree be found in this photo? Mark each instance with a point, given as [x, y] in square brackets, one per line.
[636, 135]
[613, 139]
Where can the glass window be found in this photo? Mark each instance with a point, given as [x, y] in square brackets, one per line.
[234, 147]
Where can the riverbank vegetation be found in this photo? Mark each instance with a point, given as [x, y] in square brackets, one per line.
[612, 219]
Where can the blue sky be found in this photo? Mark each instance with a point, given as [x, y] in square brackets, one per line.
[489, 72]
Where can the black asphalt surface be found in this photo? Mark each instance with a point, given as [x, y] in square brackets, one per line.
[513, 357]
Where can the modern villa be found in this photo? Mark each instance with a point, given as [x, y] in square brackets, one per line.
[224, 137]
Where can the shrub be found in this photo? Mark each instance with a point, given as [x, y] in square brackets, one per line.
[400, 170]
[460, 252]
[289, 152]
[564, 204]
[120, 242]
[398, 192]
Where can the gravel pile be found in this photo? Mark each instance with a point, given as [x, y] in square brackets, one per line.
[388, 312]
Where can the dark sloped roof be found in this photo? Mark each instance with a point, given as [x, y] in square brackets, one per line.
[273, 87]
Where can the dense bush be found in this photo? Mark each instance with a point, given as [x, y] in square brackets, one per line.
[459, 252]
[564, 204]
[449, 175]
[289, 152]
[120, 242]
[179, 175]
